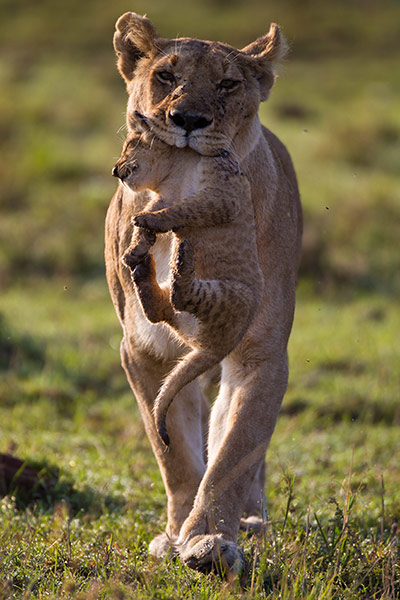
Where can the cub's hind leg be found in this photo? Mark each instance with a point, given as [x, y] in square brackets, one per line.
[225, 305]
[182, 276]
[142, 241]
[153, 298]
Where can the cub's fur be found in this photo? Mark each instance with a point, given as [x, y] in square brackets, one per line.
[214, 238]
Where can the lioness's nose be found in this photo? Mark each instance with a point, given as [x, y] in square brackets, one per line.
[188, 121]
[115, 171]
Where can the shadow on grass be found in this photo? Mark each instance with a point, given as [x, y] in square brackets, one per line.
[40, 485]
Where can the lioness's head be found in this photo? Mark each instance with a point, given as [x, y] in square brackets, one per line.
[198, 94]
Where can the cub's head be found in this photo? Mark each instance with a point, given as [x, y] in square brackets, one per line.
[144, 161]
[204, 95]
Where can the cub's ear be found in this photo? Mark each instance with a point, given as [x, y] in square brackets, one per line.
[264, 54]
[134, 37]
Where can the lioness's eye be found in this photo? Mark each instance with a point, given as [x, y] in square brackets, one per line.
[228, 84]
[165, 76]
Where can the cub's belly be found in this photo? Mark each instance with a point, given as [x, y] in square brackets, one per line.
[221, 261]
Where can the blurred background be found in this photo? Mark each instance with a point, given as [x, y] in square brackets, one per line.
[336, 105]
[65, 405]
[62, 102]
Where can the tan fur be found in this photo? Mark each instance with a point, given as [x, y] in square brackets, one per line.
[215, 274]
[217, 89]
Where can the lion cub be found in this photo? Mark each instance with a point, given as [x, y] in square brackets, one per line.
[215, 275]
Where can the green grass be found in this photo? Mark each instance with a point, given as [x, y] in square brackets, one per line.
[342, 126]
[332, 469]
[332, 466]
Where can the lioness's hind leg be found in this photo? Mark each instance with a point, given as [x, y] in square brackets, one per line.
[254, 519]
[162, 545]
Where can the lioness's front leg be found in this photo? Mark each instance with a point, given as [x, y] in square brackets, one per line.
[148, 352]
[251, 394]
[182, 467]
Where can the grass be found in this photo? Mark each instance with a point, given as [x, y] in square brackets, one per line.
[332, 465]
[343, 138]
[332, 471]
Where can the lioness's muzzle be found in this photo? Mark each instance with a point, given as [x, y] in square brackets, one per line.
[188, 121]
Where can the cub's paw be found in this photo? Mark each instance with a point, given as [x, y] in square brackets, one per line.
[142, 242]
[153, 221]
[133, 257]
[162, 545]
[206, 553]
[143, 270]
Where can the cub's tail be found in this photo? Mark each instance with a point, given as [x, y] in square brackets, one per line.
[188, 368]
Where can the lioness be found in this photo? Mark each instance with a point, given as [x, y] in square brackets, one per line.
[214, 238]
[197, 91]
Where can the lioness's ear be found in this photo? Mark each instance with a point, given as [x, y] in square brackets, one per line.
[134, 37]
[266, 52]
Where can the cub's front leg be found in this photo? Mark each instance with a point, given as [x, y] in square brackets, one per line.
[214, 205]
[142, 241]
[159, 221]
[143, 238]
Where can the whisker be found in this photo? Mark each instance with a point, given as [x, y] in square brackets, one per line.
[161, 50]
[123, 127]
[152, 140]
[176, 48]
[229, 54]
[234, 58]
[141, 136]
[179, 44]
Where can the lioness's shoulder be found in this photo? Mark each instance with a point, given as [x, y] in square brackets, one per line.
[281, 154]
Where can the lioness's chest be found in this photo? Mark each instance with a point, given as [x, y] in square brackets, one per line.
[161, 252]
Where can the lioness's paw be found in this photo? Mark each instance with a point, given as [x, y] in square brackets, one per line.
[207, 553]
[162, 545]
[152, 221]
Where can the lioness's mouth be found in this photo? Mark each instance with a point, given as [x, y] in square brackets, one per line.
[182, 142]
